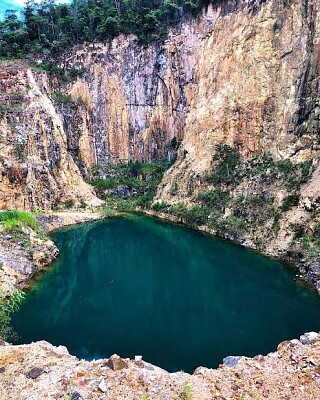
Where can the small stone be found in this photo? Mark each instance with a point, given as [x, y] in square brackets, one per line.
[115, 362]
[75, 395]
[102, 386]
[231, 361]
[34, 373]
[2, 370]
[137, 358]
[309, 337]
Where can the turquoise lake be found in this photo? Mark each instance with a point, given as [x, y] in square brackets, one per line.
[137, 286]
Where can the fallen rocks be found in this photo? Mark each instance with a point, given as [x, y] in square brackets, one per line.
[291, 372]
[115, 362]
[102, 386]
[309, 337]
[35, 373]
[231, 361]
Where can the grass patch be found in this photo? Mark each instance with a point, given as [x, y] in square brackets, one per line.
[290, 201]
[232, 225]
[7, 308]
[15, 220]
[61, 98]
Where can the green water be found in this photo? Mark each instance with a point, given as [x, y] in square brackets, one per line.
[134, 285]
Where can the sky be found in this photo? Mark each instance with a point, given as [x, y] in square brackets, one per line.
[16, 5]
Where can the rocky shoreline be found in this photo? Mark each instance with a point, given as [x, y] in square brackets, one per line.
[42, 371]
[25, 254]
[307, 271]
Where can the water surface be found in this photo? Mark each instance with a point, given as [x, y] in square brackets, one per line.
[134, 285]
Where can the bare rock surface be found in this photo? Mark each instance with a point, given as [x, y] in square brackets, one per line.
[51, 221]
[42, 371]
[22, 255]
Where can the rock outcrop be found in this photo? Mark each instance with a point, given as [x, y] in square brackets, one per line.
[245, 74]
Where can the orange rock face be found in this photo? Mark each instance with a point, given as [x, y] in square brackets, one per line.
[244, 74]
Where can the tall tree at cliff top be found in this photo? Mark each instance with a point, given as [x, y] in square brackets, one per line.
[48, 27]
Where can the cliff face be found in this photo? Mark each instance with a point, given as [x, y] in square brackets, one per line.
[246, 74]
[256, 87]
[37, 170]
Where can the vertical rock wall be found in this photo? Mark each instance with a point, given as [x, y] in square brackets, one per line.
[245, 74]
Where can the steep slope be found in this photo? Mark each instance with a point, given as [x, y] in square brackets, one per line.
[37, 171]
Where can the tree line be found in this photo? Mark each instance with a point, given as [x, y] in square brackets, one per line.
[48, 27]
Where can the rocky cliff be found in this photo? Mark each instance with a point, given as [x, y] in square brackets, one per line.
[245, 74]
[40, 370]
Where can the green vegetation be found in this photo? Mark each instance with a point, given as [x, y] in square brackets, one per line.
[127, 186]
[289, 202]
[15, 220]
[7, 307]
[226, 161]
[232, 225]
[214, 198]
[68, 204]
[186, 393]
[60, 98]
[20, 151]
[48, 27]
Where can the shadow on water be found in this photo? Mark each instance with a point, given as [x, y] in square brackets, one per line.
[135, 285]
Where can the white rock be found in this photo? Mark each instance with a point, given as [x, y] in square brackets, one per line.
[309, 337]
[102, 386]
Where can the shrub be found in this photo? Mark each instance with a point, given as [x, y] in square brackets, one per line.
[306, 170]
[227, 159]
[214, 198]
[69, 204]
[232, 226]
[160, 206]
[179, 210]
[186, 393]
[197, 215]
[83, 204]
[289, 202]
[298, 230]
[61, 98]
[7, 307]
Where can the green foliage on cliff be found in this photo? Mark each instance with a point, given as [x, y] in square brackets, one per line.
[128, 185]
[7, 307]
[15, 220]
[227, 160]
[49, 27]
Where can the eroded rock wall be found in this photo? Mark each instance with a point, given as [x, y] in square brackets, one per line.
[245, 74]
[37, 170]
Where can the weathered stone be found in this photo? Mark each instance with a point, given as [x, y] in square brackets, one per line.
[35, 373]
[309, 337]
[75, 395]
[231, 361]
[115, 362]
[102, 386]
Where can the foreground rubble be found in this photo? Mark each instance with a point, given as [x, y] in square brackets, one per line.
[42, 371]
